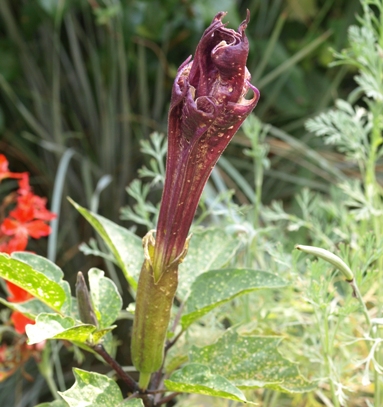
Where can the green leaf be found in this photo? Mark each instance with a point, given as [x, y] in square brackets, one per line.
[251, 362]
[97, 335]
[95, 390]
[36, 283]
[55, 403]
[52, 271]
[30, 308]
[125, 245]
[53, 326]
[215, 287]
[43, 265]
[105, 297]
[208, 249]
[198, 379]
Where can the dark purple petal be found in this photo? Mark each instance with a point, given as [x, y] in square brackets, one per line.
[208, 106]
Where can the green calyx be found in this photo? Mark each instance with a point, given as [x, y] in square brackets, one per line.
[153, 310]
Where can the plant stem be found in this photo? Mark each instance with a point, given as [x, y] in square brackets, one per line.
[132, 385]
[358, 296]
[164, 400]
[327, 357]
[45, 368]
[144, 380]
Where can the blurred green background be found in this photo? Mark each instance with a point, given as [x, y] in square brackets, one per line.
[83, 81]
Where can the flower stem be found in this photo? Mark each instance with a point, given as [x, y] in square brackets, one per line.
[132, 385]
[327, 358]
[144, 380]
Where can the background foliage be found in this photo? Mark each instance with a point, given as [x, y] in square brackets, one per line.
[84, 83]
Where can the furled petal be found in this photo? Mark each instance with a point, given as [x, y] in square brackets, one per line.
[208, 106]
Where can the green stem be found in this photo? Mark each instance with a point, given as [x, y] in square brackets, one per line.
[144, 380]
[359, 297]
[327, 358]
[45, 368]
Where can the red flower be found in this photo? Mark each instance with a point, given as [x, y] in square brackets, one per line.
[27, 219]
[17, 295]
[4, 172]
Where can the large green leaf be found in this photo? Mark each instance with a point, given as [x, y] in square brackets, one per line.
[105, 297]
[33, 281]
[215, 287]
[208, 249]
[53, 326]
[250, 362]
[197, 378]
[52, 271]
[41, 264]
[125, 245]
[96, 390]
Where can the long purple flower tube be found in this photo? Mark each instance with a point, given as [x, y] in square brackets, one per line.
[208, 105]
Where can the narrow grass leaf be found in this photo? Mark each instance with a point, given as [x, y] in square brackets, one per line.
[216, 287]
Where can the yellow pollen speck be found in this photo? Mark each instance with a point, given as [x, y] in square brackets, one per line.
[231, 127]
[230, 89]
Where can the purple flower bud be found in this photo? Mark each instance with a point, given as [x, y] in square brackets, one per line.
[208, 105]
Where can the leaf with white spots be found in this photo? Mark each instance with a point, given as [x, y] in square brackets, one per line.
[125, 245]
[41, 264]
[53, 326]
[30, 308]
[105, 297]
[50, 270]
[208, 249]
[251, 362]
[198, 379]
[96, 390]
[216, 287]
[31, 280]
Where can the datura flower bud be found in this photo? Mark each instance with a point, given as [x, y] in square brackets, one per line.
[208, 105]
